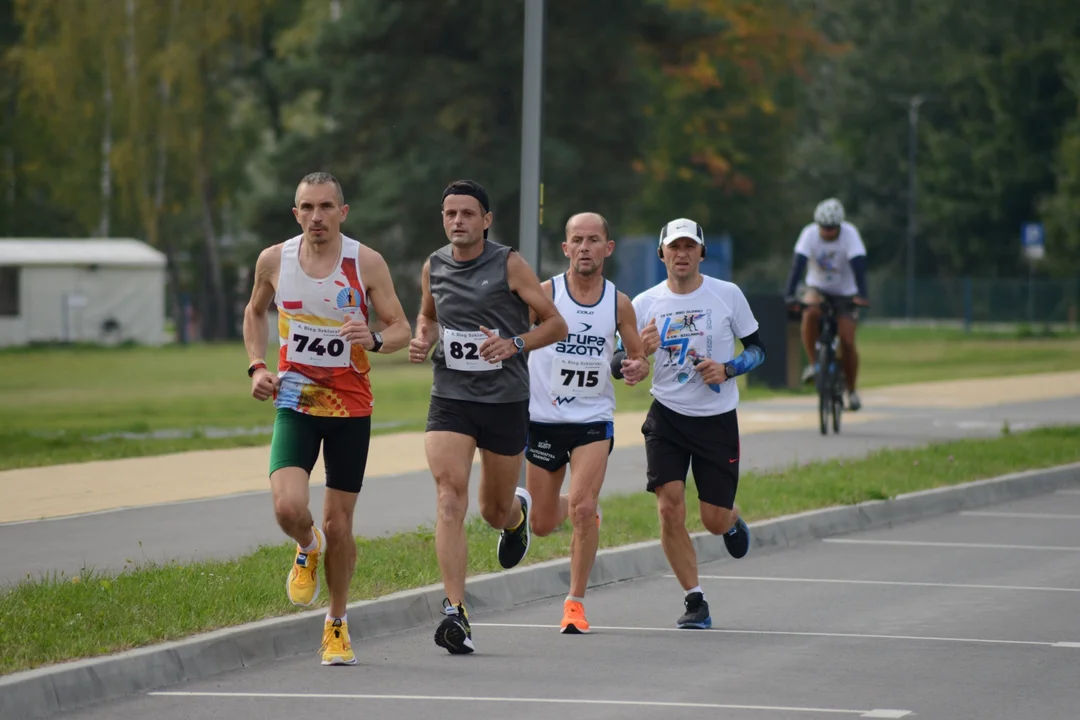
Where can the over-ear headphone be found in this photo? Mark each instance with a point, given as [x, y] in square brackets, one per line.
[680, 225]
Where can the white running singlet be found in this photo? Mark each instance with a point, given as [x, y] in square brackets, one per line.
[700, 325]
[571, 379]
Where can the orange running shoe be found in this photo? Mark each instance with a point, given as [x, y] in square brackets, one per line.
[573, 621]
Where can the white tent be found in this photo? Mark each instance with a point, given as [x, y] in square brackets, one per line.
[93, 290]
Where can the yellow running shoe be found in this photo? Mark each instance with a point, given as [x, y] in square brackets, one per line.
[302, 585]
[336, 646]
[573, 621]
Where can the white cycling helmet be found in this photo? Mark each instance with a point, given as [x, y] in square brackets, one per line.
[829, 213]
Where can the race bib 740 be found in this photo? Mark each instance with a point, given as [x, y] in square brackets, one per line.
[317, 345]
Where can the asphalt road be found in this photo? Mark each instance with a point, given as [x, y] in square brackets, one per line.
[971, 615]
[228, 526]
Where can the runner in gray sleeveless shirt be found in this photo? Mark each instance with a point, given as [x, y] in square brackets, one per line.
[477, 297]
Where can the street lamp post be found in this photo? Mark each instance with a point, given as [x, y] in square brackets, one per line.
[532, 85]
[914, 103]
[532, 189]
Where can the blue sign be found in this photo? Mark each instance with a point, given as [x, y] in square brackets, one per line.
[1033, 240]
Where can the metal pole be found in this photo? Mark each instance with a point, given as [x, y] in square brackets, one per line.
[913, 125]
[532, 190]
[532, 84]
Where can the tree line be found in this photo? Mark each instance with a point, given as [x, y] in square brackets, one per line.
[187, 123]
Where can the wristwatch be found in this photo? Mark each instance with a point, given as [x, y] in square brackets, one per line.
[519, 344]
[729, 370]
[377, 339]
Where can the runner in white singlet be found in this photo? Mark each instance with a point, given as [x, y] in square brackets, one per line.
[572, 404]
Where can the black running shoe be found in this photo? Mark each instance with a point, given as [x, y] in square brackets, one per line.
[454, 632]
[697, 613]
[514, 544]
[737, 539]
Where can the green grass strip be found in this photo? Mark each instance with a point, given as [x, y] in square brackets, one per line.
[60, 618]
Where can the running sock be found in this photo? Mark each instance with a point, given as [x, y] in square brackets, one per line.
[695, 590]
[574, 598]
[520, 523]
[314, 543]
[344, 618]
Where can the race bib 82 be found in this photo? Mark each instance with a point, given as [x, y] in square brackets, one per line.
[462, 351]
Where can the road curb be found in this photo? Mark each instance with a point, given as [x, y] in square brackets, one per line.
[46, 692]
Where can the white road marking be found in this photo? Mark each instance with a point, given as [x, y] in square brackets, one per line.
[1067, 644]
[545, 701]
[919, 543]
[794, 633]
[888, 582]
[1033, 516]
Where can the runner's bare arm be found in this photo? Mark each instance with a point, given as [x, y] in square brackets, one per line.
[256, 330]
[526, 284]
[546, 285]
[384, 300]
[628, 329]
[427, 322]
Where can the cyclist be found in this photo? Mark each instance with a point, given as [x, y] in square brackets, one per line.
[831, 253]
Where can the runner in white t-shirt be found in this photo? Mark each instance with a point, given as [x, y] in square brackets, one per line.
[691, 322]
[572, 405]
[831, 253]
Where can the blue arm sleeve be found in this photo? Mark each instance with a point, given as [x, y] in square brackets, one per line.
[752, 356]
[858, 264]
[798, 267]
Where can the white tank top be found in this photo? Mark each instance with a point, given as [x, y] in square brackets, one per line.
[570, 380]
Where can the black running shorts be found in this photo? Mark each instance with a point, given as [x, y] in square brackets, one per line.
[709, 446]
[550, 444]
[501, 428]
[344, 441]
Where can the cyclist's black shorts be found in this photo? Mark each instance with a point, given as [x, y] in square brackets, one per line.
[843, 304]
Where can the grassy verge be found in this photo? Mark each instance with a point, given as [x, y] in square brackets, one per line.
[96, 614]
[70, 396]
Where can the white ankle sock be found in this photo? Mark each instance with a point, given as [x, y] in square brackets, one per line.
[344, 618]
[314, 542]
[695, 590]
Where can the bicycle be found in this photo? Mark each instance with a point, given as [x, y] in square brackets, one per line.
[830, 375]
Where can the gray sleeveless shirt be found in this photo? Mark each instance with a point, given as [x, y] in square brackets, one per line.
[469, 294]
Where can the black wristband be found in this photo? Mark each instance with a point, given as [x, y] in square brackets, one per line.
[616, 364]
[377, 340]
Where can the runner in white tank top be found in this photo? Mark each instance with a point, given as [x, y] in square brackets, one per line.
[572, 405]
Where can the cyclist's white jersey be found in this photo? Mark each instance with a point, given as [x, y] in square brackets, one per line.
[829, 267]
[570, 380]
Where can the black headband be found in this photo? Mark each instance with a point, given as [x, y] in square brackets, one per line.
[476, 192]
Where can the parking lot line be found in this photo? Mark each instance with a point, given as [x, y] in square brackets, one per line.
[792, 633]
[962, 586]
[1032, 516]
[877, 713]
[924, 543]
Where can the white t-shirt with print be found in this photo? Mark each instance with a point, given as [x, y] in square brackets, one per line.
[703, 324]
[829, 266]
